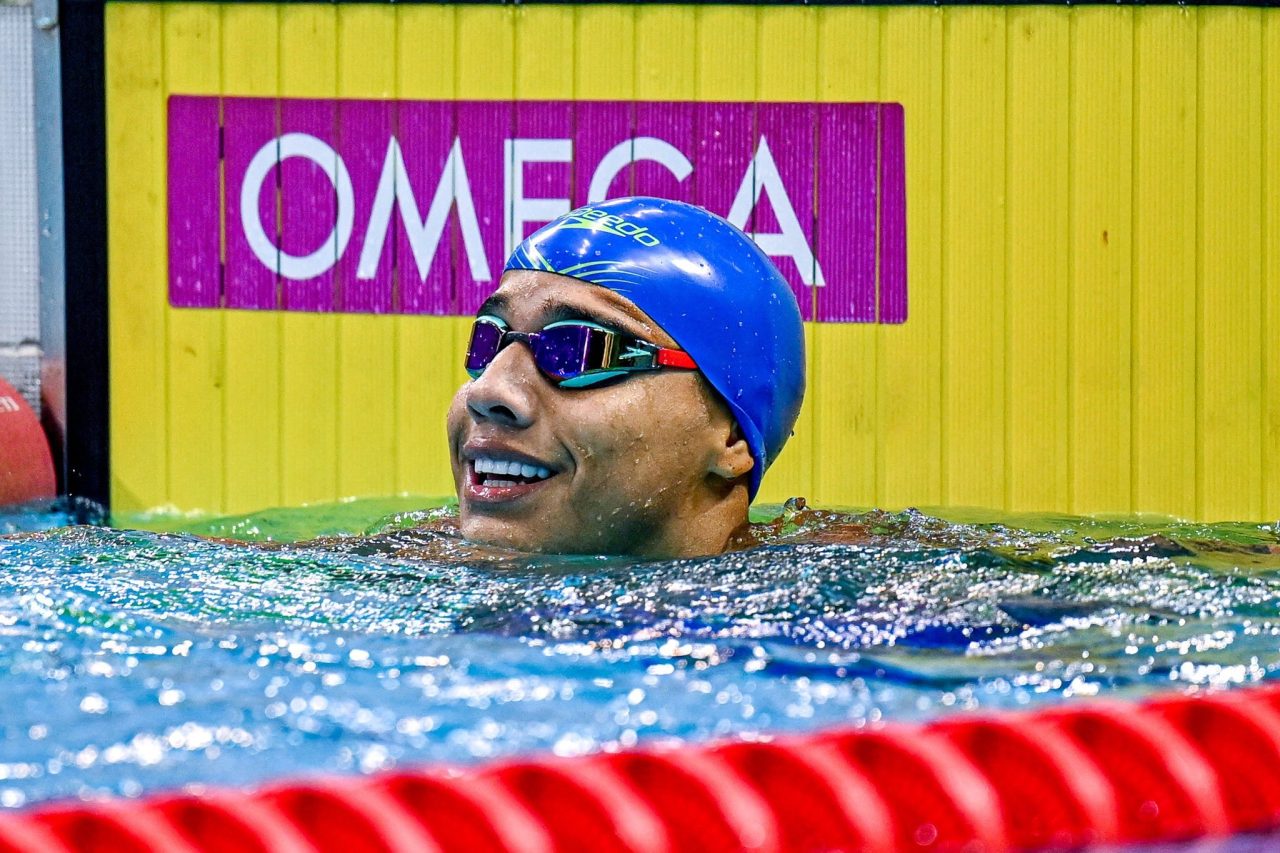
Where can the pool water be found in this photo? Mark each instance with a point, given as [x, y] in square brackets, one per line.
[137, 660]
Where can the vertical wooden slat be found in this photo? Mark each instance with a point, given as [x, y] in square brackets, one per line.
[364, 128]
[192, 54]
[665, 49]
[194, 202]
[251, 441]
[1164, 262]
[973, 239]
[842, 400]
[549, 75]
[1230, 263]
[367, 365]
[598, 128]
[891, 210]
[727, 70]
[910, 359]
[1101, 266]
[543, 75]
[665, 39]
[309, 203]
[486, 71]
[788, 71]
[726, 53]
[309, 399]
[849, 215]
[136, 256]
[250, 120]
[428, 347]
[597, 24]
[1038, 257]
[1271, 271]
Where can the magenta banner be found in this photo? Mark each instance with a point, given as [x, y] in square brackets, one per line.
[412, 207]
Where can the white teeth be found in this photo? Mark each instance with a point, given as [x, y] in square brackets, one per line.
[509, 467]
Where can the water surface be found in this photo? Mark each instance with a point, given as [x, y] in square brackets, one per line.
[134, 660]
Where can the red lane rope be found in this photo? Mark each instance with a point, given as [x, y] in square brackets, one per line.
[230, 823]
[702, 801]
[1166, 788]
[478, 815]
[826, 802]
[1050, 792]
[1240, 737]
[1064, 778]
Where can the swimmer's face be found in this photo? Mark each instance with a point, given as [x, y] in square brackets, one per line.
[648, 464]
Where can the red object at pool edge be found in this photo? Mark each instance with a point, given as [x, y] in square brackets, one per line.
[26, 468]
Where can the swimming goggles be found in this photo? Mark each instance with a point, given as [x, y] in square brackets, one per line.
[572, 353]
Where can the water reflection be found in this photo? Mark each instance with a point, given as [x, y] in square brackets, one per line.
[132, 660]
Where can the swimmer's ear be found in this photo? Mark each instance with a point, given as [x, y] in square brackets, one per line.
[734, 459]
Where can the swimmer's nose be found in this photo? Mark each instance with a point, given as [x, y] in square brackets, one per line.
[504, 393]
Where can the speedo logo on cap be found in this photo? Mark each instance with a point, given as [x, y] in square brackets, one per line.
[599, 220]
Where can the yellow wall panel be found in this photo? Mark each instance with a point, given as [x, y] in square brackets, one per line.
[725, 52]
[428, 358]
[974, 252]
[1038, 257]
[1230, 269]
[486, 53]
[543, 74]
[193, 42]
[309, 341]
[1271, 272]
[1101, 259]
[843, 412]
[367, 346]
[136, 253]
[1164, 265]
[1092, 216]
[910, 393]
[665, 51]
[780, 33]
[252, 351]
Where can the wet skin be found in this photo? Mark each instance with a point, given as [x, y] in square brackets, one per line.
[651, 464]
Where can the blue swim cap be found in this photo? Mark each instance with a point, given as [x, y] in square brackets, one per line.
[708, 286]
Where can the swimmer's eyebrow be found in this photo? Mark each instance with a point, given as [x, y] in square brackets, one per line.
[561, 313]
[499, 305]
[495, 305]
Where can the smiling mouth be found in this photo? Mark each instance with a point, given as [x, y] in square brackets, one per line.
[495, 473]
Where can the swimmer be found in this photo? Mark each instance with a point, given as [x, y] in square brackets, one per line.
[639, 367]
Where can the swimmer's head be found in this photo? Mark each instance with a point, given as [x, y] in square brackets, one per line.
[707, 285]
[665, 287]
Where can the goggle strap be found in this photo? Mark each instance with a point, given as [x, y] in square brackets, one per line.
[592, 377]
[676, 358]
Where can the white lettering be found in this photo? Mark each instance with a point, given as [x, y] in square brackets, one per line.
[424, 235]
[762, 175]
[632, 151]
[453, 189]
[268, 157]
[520, 210]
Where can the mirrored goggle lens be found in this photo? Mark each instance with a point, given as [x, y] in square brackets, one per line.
[565, 351]
[486, 337]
